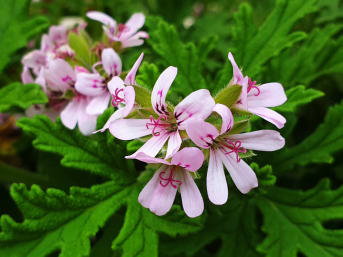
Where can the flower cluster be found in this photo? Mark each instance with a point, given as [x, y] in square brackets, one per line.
[79, 92]
[178, 138]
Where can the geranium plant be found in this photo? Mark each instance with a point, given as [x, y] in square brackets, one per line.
[171, 129]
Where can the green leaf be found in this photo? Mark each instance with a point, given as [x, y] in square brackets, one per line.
[79, 44]
[294, 222]
[298, 96]
[165, 41]
[253, 48]
[22, 96]
[16, 29]
[234, 224]
[147, 75]
[318, 147]
[143, 96]
[55, 220]
[229, 95]
[320, 54]
[138, 236]
[101, 157]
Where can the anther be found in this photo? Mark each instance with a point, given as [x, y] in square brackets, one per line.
[235, 147]
[169, 180]
[116, 98]
[156, 124]
[251, 86]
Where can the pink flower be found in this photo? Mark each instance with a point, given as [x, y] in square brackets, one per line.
[166, 125]
[225, 149]
[123, 97]
[127, 33]
[159, 194]
[53, 45]
[256, 99]
[93, 84]
[75, 113]
[60, 77]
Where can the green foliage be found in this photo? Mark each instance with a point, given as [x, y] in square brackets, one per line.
[297, 43]
[166, 42]
[22, 96]
[319, 146]
[147, 75]
[298, 96]
[57, 221]
[138, 236]
[102, 157]
[16, 29]
[253, 47]
[294, 222]
[320, 54]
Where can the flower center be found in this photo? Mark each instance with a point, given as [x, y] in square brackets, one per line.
[157, 124]
[251, 86]
[67, 79]
[235, 147]
[122, 28]
[165, 181]
[208, 140]
[116, 98]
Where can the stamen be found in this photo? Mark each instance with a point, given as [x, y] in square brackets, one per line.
[251, 85]
[116, 98]
[235, 147]
[170, 180]
[156, 124]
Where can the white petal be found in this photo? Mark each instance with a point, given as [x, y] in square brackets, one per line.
[261, 140]
[241, 173]
[192, 201]
[216, 181]
[269, 115]
[270, 95]
[153, 146]
[174, 144]
[128, 129]
[197, 105]
[111, 62]
[161, 87]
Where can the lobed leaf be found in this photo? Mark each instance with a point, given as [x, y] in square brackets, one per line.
[298, 96]
[22, 96]
[101, 157]
[57, 221]
[293, 222]
[319, 146]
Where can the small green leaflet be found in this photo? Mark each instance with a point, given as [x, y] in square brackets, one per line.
[293, 222]
[15, 28]
[138, 236]
[298, 96]
[55, 220]
[318, 147]
[229, 95]
[22, 96]
[102, 157]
